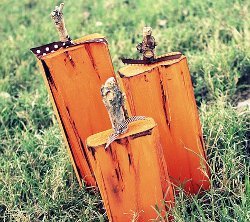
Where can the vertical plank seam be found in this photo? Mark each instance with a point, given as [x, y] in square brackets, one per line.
[163, 97]
[88, 50]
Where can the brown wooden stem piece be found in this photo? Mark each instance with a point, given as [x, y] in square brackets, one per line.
[113, 99]
[57, 16]
[148, 44]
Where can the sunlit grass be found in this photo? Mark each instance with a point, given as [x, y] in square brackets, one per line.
[37, 182]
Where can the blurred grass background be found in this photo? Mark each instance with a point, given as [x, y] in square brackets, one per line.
[37, 182]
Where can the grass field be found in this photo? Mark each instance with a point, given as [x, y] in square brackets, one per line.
[37, 182]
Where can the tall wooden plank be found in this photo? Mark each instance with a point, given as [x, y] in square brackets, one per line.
[74, 76]
[164, 92]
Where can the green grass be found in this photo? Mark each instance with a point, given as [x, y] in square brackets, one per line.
[37, 182]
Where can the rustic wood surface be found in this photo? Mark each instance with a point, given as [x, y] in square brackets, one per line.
[74, 77]
[164, 92]
[131, 173]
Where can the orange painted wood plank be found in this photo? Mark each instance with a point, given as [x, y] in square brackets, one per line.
[74, 77]
[62, 127]
[131, 173]
[164, 92]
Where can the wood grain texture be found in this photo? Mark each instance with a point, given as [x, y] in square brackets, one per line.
[164, 92]
[131, 173]
[74, 77]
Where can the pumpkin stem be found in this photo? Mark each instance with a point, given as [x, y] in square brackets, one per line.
[148, 44]
[113, 99]
[57, 16]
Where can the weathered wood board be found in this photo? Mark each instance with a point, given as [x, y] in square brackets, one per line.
[131, 173]
[164, 92]
[74, 76]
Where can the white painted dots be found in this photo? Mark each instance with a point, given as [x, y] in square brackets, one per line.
[49, 48]
[44, 50]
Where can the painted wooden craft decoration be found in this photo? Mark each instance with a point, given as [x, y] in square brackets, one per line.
[133, 160]
[131, 172]
[74, 72]
[163, 91]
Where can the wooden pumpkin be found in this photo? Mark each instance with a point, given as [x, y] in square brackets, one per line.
[131, 173]
[164, 92]
[73, 76]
